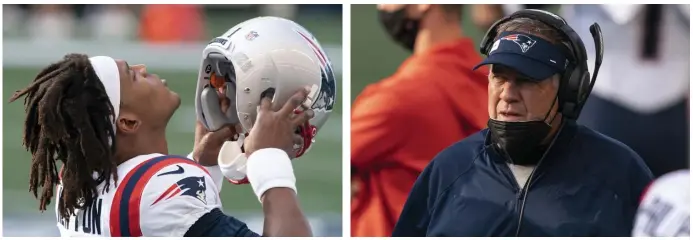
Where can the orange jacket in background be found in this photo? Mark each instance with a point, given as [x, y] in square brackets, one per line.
[399, 124]
[166, 23]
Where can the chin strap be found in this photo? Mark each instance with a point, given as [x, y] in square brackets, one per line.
[232, 161]
[307, 133]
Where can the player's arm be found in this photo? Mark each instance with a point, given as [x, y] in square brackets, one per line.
[283, 216]
[376, 128]
[206, 150]
[270, 147]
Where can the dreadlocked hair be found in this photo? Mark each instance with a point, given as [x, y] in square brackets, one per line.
[68, 119]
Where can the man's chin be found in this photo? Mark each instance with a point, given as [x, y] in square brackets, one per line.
[176, 99]
[175, 105]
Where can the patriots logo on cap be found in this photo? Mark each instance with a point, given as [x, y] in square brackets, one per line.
[524, 41]
[190, 186]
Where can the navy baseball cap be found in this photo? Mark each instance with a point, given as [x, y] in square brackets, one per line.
[528, 54]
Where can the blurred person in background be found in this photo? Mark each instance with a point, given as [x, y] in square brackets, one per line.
[158, 21]
[400, 123]
[484, 15]
[641, 98]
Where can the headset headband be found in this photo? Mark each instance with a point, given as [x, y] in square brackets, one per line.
[575, 50]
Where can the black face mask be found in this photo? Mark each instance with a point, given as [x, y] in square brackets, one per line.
[521, 140]
[401, 28]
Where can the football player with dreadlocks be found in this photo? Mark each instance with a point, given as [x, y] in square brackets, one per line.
[105, 122]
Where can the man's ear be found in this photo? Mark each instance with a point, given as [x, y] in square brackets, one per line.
[128, 123]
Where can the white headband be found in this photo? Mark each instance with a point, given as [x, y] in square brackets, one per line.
[107, 71]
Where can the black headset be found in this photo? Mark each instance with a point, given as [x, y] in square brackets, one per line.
[575, 84]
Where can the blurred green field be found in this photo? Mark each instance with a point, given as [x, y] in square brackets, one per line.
[374, 55]
[318, 173]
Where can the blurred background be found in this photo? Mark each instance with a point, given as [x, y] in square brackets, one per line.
[169, 40]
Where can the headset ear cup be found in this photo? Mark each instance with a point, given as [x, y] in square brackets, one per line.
[584, 87]
[568, 91]
[564, 89]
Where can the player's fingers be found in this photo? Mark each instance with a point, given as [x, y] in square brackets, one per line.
[294, 102]
[302, 117]
[238, 127]
[266, 99]
[224, 134]
[224, 103]
[200, 131]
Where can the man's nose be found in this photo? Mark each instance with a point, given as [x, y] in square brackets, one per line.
[139, 68]
[510, 91]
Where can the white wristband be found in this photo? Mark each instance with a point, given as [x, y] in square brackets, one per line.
[270, 168]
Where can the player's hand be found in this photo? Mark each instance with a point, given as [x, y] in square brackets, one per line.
[208, 144]
[276, 129]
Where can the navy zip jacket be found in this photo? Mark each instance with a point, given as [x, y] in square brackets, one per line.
[587, 185]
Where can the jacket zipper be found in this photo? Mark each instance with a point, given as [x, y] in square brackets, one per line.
[520, 193]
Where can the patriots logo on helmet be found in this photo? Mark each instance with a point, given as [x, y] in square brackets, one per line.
[524, 41]
[326, 97]
[190, 186]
